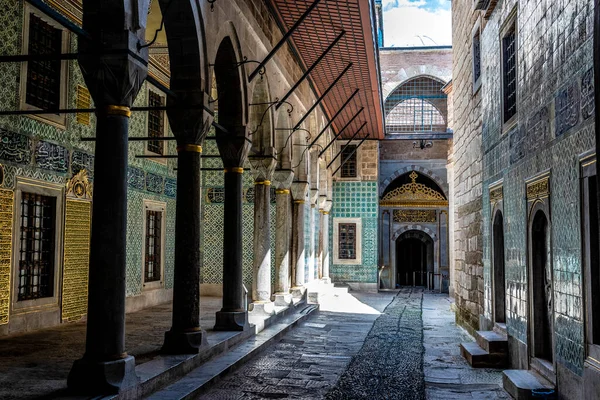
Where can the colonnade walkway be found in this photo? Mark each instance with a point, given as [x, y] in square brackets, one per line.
[400, 344]
[37, 364]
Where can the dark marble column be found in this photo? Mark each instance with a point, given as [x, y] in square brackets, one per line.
[114, 69]
[186, 336]
[233, 316]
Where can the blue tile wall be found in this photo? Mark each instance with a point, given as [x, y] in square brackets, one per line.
[357, 200]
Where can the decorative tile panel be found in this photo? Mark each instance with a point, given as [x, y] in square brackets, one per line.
[82, 160]
[136, 179]
[15, 148]
[154, 183]
[170, 187]
[52, 157]
[357, 200]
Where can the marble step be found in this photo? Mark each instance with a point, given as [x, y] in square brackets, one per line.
[520, 383]
[199, 379]
[492, 342]
[500, 328]
[479, 358]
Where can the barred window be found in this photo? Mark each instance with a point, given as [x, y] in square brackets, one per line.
[476, 57]
[36, 248]
[156, 123]
[347, 241]
[349, 168]
[509, 73]
[152, 263]
[43, 77]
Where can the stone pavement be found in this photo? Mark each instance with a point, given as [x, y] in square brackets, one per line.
[310, 359]
[37, 364]
[447, 373]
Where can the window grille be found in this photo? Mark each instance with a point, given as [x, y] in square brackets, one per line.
[476, 57]
[36, 247]
[510, 74]
[418, 105]
[156, 126]
[347, 241]
[152, 264]
[43, 77]
[349, 168]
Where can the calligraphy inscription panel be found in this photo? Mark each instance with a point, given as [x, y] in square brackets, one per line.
[6, 222]
[76, 259]
[422, 216]
[14, 147]
[538, 189]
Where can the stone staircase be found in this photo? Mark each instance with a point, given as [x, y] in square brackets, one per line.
[489, 351]
[522, 384]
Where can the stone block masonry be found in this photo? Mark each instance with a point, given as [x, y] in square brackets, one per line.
[467, 170]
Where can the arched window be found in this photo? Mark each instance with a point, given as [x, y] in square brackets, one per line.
[418, 105]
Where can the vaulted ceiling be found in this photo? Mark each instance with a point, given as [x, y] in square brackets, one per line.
[357, 46]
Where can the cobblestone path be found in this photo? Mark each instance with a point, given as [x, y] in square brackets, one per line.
[310, 359]
[390, 364]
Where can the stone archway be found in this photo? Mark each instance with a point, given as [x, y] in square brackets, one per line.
[540, 281]
[499, 280]
[414, 258]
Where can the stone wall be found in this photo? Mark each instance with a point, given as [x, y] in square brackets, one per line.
[552, 129]
[467, 169]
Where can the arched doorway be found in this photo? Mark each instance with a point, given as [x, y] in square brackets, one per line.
[499, 277]
[541, 288]
[414, 258]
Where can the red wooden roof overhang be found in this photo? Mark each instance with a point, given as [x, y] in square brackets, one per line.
[357, 46]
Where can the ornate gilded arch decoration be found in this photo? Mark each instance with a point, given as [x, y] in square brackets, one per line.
[414, 194]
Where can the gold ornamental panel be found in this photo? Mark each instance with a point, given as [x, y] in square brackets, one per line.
[496, 194]
[420, 216]
[538, 189]
[78, 218]
[414, 195]
[6, 223]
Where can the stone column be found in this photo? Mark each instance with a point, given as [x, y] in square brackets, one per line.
[233, 316]
[114, 69]
[299, 193]
[324, 242]
[283, 182]
[186, 336]
[262, 170]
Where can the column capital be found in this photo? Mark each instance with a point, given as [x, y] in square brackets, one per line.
[328, 206]
[282, 178]
[314, 196]
[299, 190]
[322, 201]
[263, 166]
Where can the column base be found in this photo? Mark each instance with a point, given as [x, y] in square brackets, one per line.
[231, 321]
[283, 299]
[102, 377]
[298, 292]
[184, 342]
[263, 309]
